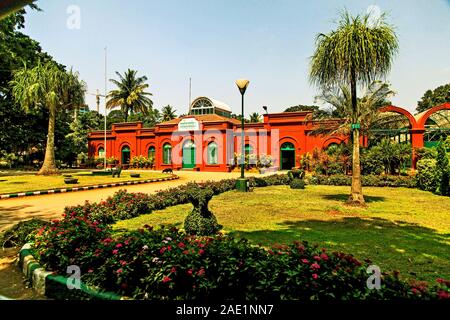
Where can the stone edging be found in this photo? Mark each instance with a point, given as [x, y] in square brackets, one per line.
[55, 286]
[89, 187]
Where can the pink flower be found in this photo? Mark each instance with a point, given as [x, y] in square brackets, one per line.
[305, 261]
[173, 270]
[315, 276]
[189, 272]
[115, 251]
[181, 245]
[163, 249]
[443, 295]
[201, 251]
[123, 263]
[90, 270]
[119, 245]
[317, 258]
[315, 266]
[185, 252]
[166, 279]
[119, 271]
[324, 256]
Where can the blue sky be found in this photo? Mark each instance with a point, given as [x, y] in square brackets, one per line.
[216, 42]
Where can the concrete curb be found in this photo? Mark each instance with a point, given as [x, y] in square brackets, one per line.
[55, 286]
[89, 187]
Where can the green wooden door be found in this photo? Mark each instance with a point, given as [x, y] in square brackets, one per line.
[125, 155]
[287, 156]
[189, 155]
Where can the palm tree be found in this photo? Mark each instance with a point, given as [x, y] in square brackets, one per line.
[255, 117]
[49, 86]
[357, 53]
[130, 94]
[168, 113]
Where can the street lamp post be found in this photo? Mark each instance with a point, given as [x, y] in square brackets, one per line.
[242, 182]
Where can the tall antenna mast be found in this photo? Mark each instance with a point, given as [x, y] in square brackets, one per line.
[106, 50]
[190, 90]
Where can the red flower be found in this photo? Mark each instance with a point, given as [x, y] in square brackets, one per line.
[166, 279]
[201, 251]
[186, 252]
[201, 272]
[315, 266]
[98, 230]
[173, 270]
[163, 249]
[443, 295]
[119, 245]
[90, 270]
[181, 245]
[189, 272]
[119, 271]
[317, 258]
[305, 261]
[123, 263]
[115, 251]
[169, 248]
[324, 256]
[315, 276]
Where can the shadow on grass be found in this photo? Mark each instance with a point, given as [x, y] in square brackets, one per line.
[416, 251]
[344, 197]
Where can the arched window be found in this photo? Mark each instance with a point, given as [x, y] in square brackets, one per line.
[151, 152]
[101, 152]
[212, 153]
[167, 154]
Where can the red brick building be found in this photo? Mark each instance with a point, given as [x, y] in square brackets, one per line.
[208, 138]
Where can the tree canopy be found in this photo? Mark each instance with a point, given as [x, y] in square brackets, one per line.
[435, 97]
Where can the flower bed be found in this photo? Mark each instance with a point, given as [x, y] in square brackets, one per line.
[169, 264]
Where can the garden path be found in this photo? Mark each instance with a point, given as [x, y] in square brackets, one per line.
[52, 206]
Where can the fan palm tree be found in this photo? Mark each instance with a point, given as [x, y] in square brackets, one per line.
[48, 86]
[356, 53]
[130, 94]
[255, 117]
[168, 113]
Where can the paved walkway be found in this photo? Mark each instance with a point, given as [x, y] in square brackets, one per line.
[52, 206]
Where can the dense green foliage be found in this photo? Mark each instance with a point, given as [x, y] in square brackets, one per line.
[367, 181]
[21, 233]
[435, 97]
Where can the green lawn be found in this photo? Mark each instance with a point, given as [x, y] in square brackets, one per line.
[32, 182]
[401, 229]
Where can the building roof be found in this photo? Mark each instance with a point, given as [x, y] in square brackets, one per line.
[202, 118]
[215, 103]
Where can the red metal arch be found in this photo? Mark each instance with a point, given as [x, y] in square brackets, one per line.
[406, 113]
[423, 119]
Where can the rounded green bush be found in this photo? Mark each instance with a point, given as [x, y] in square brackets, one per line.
[297, 184]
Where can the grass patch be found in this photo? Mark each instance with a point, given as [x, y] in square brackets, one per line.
[32, 182]
[401, 229]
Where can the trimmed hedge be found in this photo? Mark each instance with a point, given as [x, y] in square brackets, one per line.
[367, 181]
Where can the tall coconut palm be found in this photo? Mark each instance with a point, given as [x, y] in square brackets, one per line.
[168, 113]
[130, 94]
[48, 86]
[359, 51]
[255, 117]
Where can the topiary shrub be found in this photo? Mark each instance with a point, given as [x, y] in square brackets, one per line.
[297, 184]
[296, 174]
[427, 175]
[21, 233]
[200, 221]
